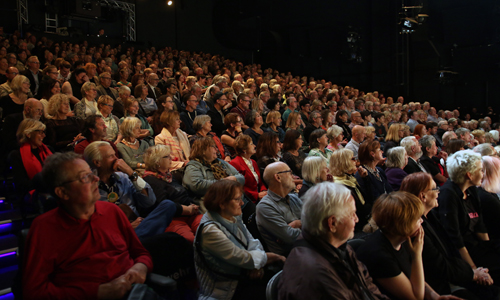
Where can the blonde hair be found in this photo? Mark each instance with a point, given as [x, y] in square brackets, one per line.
[272, 115]
[128, 125]
[55, 103]
[340, 162]
[153, 155]
[27, 127]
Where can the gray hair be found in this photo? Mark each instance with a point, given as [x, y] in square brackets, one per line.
[334, 131]
[199, 121]
[461, 131]
[55, 172]
[17, 83]
[123, 89]
[93, 152]
[26, 127]
[396, 157]
[128, 126]
[460, 163]
[495, 135]
[408, 142]
[485, 149]
[153, 155]
[322, 201]
[426, 141]
[55, 103]
[87, 86]
[311, 168]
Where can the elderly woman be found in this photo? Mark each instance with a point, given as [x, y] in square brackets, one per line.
[147, 105]
[442, 267]
[342, 167]
[174, 138]
[479, 136]
[397, 270]
[228, 259]
[124, 74]
[429, 160]
[131, 107]
[158, 162]
[489, 195]
[233, 122]
[254, 121]
[318, 141]
[273, 120]
[118, 106]
[397, 159]
[62, 130]
[461, 215]
[203, 127]
[268, 150]
[314, 171]
[321, 260]
[28, 160]
[254, 186]
[14, 102]
[291, 153]
[105, 105]
[88, 105]
[376, 183]
[336, 136]
[131, 147]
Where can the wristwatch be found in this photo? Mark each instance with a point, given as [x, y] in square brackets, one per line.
[134, 176]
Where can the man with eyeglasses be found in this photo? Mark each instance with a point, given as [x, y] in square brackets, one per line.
[278, 213]
[84, 248]
[153, 91]
[315, 121]
[189, 113]
[33, 73]
[242, 108]
[217, 113]
[292, 107]
[104, 88]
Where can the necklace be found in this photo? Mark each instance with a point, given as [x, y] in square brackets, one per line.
[130, 144]
[374, 172]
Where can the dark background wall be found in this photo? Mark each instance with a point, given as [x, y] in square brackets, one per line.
[461, 37]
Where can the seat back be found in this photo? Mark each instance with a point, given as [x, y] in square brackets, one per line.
[254, 230]
[355, 243]
[272, 287]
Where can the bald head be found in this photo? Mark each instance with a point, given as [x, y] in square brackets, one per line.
[272, 169]
[153, 79]
[33, 109]
[358, 133]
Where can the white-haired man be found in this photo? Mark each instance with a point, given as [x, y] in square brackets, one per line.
[414, 151]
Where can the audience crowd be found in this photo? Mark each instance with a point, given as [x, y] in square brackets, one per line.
[259, 171]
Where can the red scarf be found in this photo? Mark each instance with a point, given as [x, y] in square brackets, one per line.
[219, 145]
[30, 162]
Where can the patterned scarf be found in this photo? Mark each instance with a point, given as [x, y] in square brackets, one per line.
[350, 181]
[216, 167]
[167, 177]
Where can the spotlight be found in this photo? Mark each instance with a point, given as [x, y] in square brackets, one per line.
[170, 2]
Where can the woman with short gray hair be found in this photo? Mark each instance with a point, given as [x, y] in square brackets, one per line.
[397, 159]
[461, 215]
[203, 127]
[314, 171]
[88, 105]
[336, 135]
[432, 163]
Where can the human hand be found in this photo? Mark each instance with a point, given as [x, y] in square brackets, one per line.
[190, 210]
[136, 222]
[256, 274]
[443, 155]
[482, 277]
[362, 172]
[231, 178]
[417, 245]
[121, 165]
[474, 142]
[70, 114]
[227, 158]
[262, 194]
[137, 274]
[344, 142]
[78, 137]
[295, 224]
[115, 289]
[273, 257]
[150, 120]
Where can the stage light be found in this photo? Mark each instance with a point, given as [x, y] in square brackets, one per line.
[170, 2]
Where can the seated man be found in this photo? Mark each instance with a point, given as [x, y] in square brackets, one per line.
[94, 129]
[85, 248]
[119, 184]
[278, 213]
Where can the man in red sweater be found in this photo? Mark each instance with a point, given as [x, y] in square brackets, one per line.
[85, 248]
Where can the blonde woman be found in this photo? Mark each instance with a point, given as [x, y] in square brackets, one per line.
[131, 147]
[273, 121]
[14, 102]
[88, 105]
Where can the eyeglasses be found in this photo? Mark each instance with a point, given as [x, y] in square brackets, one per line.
[106, 78]
[353, 158]
[89, 177]
[40, 131]
[167, 156]
[287, 171]
[240, 199]
[436, 189]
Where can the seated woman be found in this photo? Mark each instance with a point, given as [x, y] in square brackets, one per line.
[341, 120]
[105, 106]
[342, 167]
[147, 105]
[273, 121]
[233, 122]
[61, 129]
[254, 186]
[397, 159]
[455, 145]
[336, 136]
[254, 121]
[268, 150]
[131, 107]
[376, 183]
[397, 269]
[14, 102]
[28, 160]
[174, 138]
[165, 102]
[461, 215]
[419, 131]
[432, 163]
[158, 162]
[88, 105]
[204, 169]
[226, 254]
[443, 265]
[327, 116]
[394, 136]
[48, 88]
[314, 171]
[203, 127]
[130, 147]
[488, 194]
[323, 265]
[291, 153]
[318, 141]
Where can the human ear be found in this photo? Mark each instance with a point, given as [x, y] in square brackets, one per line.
[61, 193]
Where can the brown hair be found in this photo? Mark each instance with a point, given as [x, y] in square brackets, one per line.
[418, 130]
[267, 145]
[221, 192]
[241, 143]
[416, 183]
[200, 146]
[231, 118]
[396, 213]
[168, 117]
[366, 147]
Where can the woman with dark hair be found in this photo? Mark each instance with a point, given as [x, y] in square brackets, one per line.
[267, 150]
[432, 163]
[254, 121]
[203, 127]
[273, 104]
[341, 120]
[318, 141]
[455, 145]
[327, 116]
[165, 103]
[48, 88]
[228, 259]
[376, 183]
[291, 153]
[254, 185]
[136, 80]
[147, 106]
[443, 265]
[233, 122]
